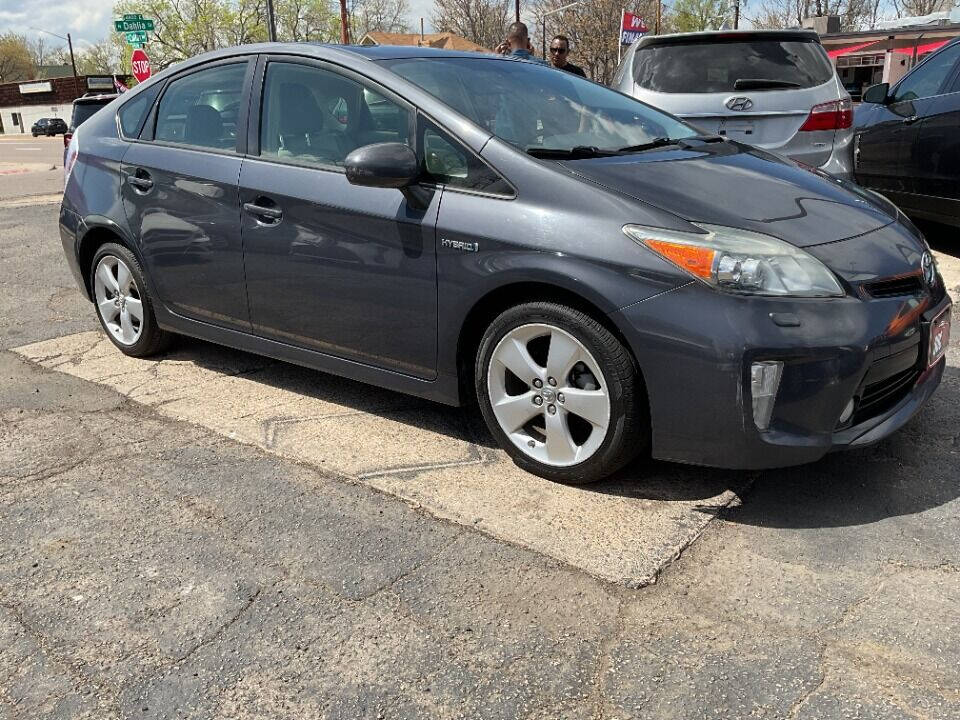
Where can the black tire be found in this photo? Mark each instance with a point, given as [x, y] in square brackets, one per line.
[152, 339]
[627, 434]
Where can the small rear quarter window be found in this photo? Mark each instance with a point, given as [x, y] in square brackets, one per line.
[133, 112]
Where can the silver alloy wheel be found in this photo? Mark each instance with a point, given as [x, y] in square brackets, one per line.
[118, 300]
[556, 414]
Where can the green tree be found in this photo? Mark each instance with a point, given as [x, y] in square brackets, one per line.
[16, 59]
[698, 15]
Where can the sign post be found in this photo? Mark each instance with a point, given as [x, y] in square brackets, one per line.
[141, 65]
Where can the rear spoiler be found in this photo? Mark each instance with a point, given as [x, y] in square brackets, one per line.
[797, 35]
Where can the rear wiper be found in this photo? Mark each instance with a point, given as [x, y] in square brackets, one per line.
[579, 152]
[760, 83]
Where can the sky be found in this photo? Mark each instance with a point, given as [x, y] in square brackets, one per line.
[87, 21]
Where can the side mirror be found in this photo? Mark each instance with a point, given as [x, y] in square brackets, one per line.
[388, 165]
[876, 94]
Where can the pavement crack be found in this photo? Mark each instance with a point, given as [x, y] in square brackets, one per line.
[223, 627]
[604, 649]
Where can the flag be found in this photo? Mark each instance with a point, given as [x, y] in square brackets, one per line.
[631, 28]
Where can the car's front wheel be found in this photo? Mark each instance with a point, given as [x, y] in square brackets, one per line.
[123, 303]
[559, 392]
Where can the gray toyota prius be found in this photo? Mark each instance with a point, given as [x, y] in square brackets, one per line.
[599, 278]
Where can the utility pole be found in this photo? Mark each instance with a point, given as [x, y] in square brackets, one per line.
[736, 14]
[73, 62]
[344, 29]
[518, 10]
[656, 25]
[271, 23]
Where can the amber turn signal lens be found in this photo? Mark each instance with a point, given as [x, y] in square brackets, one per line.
[693, 259]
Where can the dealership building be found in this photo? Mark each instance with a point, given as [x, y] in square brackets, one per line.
[23, 103]
[886, 53]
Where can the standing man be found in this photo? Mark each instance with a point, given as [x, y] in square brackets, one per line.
[518, 44]
[559, 52]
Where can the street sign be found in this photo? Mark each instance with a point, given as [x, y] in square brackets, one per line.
[133, 25]
[134, 38]
[140, 64]
[133, 16]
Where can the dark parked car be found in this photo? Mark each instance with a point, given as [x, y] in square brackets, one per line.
[907, 141]
[83, 109]
[48, 126]
[598, 276]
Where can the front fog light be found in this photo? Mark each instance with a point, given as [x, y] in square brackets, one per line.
[764, 382]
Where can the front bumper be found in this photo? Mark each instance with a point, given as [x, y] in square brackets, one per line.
[695, 347]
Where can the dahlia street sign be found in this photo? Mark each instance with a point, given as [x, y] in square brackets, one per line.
[133, 25]
[141, 65]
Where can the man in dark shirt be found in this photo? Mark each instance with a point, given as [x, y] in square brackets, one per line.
[559, 52]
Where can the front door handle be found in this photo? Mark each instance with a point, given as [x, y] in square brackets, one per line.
[910, 120]
[140, 180]
[266, 215]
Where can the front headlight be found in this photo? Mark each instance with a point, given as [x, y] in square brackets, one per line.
[740, 261]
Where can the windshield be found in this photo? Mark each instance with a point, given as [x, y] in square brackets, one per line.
[83, 111]
[728, 66]
[536, 107]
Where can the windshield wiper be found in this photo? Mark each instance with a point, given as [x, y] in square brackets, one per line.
[575, 153]
[760, 83]
[655, 143]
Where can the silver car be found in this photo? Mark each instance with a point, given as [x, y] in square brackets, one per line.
[773, 89]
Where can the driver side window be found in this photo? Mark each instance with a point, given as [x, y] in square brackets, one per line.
[929, 77]
[318, 117]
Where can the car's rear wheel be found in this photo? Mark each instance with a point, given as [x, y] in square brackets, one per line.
[123, 302]
[559, 393]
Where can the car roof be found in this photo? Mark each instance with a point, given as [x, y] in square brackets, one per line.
[729, 36]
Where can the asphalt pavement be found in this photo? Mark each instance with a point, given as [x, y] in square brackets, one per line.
[218, 536]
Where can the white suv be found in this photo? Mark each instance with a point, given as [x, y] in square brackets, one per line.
[774, 89]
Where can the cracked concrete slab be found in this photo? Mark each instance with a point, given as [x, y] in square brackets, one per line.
[625, 530]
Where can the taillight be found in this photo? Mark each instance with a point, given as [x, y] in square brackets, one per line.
[66, 138]
[70, 157]
[836, 115]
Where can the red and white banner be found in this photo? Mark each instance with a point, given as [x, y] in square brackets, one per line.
[632, 27]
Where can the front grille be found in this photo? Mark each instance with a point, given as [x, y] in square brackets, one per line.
[878, 397]
[895, 287]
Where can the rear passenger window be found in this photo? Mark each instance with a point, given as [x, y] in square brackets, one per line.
[202, 109]
[131, 113]
[317, 116]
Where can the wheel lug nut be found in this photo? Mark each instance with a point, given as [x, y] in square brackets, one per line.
[560, 397]
[538, 383]
[552, 409]
[552, 381]
[537, 400]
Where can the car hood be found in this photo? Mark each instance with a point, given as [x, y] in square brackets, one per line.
[724, 183]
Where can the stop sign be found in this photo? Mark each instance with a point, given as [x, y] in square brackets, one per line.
[141, 65]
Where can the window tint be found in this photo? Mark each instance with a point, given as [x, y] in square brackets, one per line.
[446, 161]
[534, 106]
[317, 116]
[131, 114]
[202, 109]
[713, 67]
[927, 79]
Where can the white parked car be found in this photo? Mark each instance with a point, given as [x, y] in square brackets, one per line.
[774, 89]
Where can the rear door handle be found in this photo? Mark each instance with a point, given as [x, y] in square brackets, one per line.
[140, 180]
[266, 215]
[910, 120]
